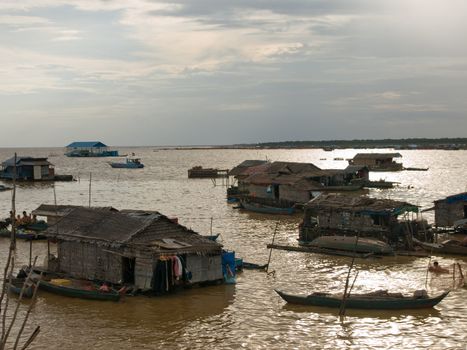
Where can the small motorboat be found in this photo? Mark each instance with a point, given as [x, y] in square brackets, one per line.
[378, 300]
[130, 163]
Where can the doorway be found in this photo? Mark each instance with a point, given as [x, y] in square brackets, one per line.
[128, 270]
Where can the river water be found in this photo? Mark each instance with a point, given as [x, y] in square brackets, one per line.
[249, 314]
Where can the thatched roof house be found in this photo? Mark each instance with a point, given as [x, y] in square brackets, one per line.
[126, 247]
[345, 213]
[377, 161]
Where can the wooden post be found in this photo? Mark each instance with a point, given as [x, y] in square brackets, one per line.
[344, 297]
[90, 181]
[211, 227]
[30, 252]
[270, 251]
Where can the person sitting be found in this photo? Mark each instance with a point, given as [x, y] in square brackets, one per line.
[34, 219]
[436, 268]
[19, 221]
[26, 218]
[105, 288]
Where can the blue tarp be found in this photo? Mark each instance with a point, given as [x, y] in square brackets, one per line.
[228, 266]
[86, 144]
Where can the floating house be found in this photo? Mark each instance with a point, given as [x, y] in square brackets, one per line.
[340, 214]
[377, 161]
[89, 149]
[451, 210]
[30, 169]
[285, 184]
[144, 249]
[200, 172]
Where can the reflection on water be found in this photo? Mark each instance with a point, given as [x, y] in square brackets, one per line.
[249, 314]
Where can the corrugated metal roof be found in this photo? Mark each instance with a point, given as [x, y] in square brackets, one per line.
[86, 144]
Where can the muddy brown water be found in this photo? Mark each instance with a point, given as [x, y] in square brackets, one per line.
[249, 314]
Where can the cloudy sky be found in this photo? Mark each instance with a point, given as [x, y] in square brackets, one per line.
[147, 72]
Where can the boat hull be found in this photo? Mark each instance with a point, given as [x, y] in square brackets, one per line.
[350, 244]
[361, 302]
[445, 249]
[78, 293]
[264, 209]
[126, 166]
[16, 286]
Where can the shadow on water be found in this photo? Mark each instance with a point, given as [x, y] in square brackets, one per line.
[144, 311]
[362, 313]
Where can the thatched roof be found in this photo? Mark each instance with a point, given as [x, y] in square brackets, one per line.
[360, 204]
[244, 166]
[60, 210]
[144, 230]
[291, 168]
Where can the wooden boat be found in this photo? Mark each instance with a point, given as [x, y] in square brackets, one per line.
[380, 300]
[265, 209]
[212, 237]
[449, 247]
[76, 289]
[21, 234]
[253, 266]
[130, 163]
[17, 284]
[347, 243]
[4, 188]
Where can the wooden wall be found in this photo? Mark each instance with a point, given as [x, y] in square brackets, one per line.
[446, 214]
[84, 260]
[204, 268]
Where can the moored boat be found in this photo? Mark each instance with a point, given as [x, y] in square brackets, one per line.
[448, 247]
[352, 244]
[130, 163]
[76, 289]
[16, 285]
[266, 209]
[22, 234]
[379, 300]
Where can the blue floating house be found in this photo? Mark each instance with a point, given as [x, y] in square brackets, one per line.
[89, 149]
[27, 168]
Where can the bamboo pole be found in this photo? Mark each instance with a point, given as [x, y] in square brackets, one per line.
[344, 297]
[270, 250]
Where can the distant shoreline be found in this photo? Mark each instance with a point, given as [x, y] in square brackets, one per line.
[327, 145]
[400, 144]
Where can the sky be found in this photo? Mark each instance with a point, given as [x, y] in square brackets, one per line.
[217, 72]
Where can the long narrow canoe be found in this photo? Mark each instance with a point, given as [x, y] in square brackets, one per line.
[75, 292]
[390, 301]
[265, 209]
[449, 247]
[17, 284]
